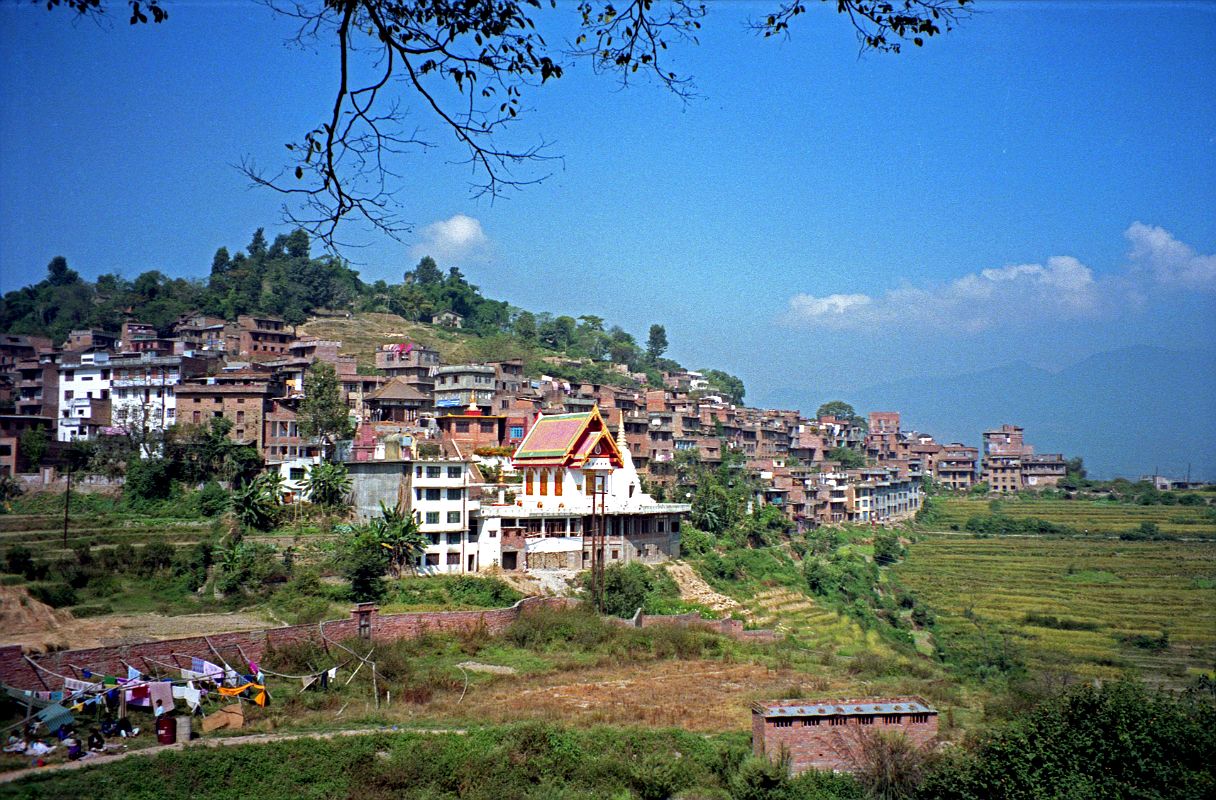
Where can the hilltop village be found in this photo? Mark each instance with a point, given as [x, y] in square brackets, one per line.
[439, 437]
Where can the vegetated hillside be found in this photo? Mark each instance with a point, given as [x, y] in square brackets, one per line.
[1128, 412]
[283, 278]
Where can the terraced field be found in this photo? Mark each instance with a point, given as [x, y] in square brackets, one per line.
[1086, 516]
[1141, 606]
[815, 627]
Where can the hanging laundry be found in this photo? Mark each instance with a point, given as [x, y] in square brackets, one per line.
[161, 691]
[191, 695]
[139, 696]
[73, 685]
[133, 674]
[234, 691]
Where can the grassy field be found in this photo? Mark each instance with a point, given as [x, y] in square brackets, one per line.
[1086, 516]
[1093, 607]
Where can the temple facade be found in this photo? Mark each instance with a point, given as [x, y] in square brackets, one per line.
[576, 479]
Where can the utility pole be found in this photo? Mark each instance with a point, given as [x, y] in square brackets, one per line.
[67, 505]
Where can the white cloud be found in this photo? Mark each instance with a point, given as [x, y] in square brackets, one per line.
[1169, 261]
[1060, 289]
[456, 240]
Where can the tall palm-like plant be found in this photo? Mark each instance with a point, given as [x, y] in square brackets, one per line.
[259, 503]
[398, 533]
[328, 485]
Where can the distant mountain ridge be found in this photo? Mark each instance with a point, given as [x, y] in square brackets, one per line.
[1126, 411]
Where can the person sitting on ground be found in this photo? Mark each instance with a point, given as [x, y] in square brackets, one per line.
[39, 748]
[74, 747]
[16, 744]
[97, 742]
[125, 730]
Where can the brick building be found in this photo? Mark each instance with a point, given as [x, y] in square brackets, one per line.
[1010, 465]
[243, 396]
[828, 734]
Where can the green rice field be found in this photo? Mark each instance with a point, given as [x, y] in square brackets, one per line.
[1091, 607]
[1086, 516]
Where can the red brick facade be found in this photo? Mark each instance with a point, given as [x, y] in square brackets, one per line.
[828, 734]
[236, 648]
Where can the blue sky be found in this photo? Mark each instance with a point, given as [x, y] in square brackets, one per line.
[1036, 186]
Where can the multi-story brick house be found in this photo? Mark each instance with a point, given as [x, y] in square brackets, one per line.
[201, 332]
[258, 337]
[830, 734]
[955, 466]
[412, 362]
[91, 339]
[1010, 465]
[36, 389]
[245, 397]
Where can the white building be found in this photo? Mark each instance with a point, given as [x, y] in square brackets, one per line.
[439, 499]
[84, 394]
[576, 481]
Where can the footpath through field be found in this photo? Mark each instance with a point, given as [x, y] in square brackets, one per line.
[224, 741]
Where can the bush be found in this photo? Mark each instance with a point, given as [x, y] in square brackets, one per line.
[148, 479]
[57, 595]
[1119, 740]
[212, 500]
[19, 560]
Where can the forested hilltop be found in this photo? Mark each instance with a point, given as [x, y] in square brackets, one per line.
[283, 278]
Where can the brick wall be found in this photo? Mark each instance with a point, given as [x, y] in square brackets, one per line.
[830, 747]
[237, 647]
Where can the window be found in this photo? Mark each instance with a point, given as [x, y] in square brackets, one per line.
[487, 427]
[810, 721]
[418, 471]
[865, 720]
[433, 494]
[557, 483]
[432, 518]
[454, 494]
[462, 427]
[837, 720]
[453, 559]
[68, 394]
[197, 418]
[527, 481]
[434, 537]
[919, 719]
[432, 559]
[454, 519]
[893, 719]
[473, 537]
[432, 472]
[517, 431]
[544, 481]
[783, 723]
[171, 413]
[240, 416]
[616, 554]
[105, 394]
[297, 473]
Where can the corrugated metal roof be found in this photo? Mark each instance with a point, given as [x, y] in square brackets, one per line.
[834, 708]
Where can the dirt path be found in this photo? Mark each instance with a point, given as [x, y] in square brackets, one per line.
[224, 741]
[695, 590]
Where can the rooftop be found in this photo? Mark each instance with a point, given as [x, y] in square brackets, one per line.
[835, 708]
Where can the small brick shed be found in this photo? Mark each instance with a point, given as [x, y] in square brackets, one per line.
[827, 734]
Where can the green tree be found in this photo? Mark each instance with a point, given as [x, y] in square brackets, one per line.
[848, 459]
[524, 326]
[838, 409]
[725, 384]
[322, 415]
[656, 342]
[34, 443]
[362, 561]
